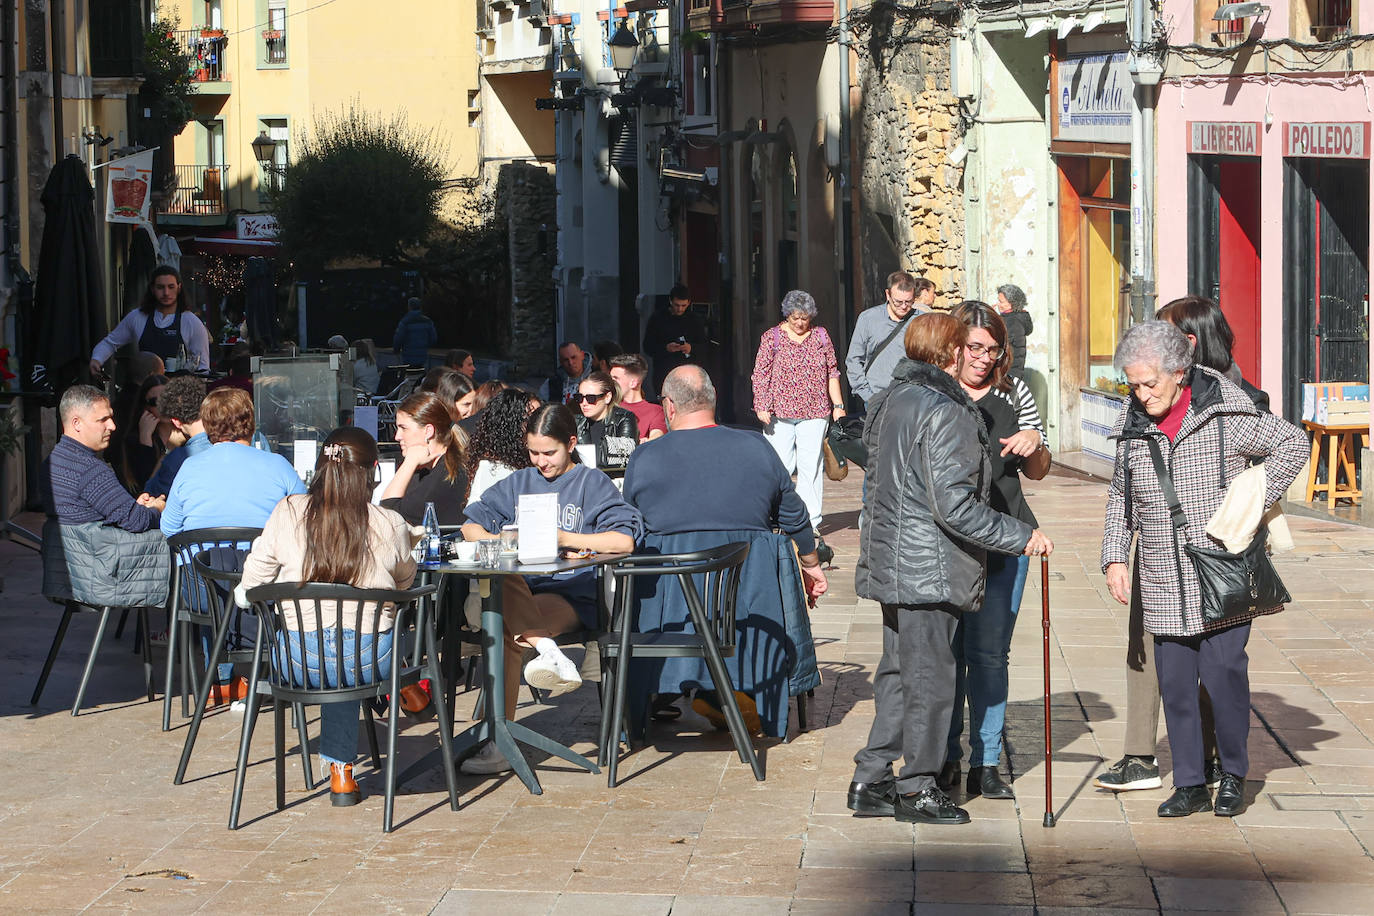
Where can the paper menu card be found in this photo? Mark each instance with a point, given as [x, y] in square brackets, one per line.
[537, 516]
[303, 456]
[587, 454]
[386, 469]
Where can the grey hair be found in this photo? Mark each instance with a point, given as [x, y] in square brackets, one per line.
[79, 399]
[798, 300]
[1014, 295]
[1154, 343]
[690, 389]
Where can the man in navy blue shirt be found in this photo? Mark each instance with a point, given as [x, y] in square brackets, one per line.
[180, 403]
[705, 477]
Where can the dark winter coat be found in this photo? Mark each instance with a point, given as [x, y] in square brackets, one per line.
[415, 334]
[1222, 434]
[1019, 327]
[927, 525]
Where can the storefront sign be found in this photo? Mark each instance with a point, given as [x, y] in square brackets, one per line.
[1095, 93]
[257, 227]
[1327, 139]
[1224, 138]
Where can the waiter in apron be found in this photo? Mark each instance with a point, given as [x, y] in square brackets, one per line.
[161, 325]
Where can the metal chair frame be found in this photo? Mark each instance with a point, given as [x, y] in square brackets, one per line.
[70, 608]
[184, 547]
[222, 565]
[287, 680]
[713, 619]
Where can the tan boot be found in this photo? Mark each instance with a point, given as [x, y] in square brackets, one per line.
[343, 789]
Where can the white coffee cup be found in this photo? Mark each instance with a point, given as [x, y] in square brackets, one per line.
[467, 551]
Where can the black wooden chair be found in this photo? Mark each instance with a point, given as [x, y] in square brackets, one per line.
[712, 610]
[219, 569]
[190, 608]
[306, 666]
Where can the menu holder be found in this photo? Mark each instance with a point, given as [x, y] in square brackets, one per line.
[537, 516]
[386, 469]
[303, 457]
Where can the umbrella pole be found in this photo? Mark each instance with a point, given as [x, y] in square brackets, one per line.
[1045, 627]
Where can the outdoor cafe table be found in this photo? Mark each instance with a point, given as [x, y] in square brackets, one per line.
[494, 725]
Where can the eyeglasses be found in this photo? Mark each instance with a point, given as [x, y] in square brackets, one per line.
[976, 350]
[587, 398]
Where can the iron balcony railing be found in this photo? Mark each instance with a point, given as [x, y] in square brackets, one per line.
[206, 50]
[199, 191]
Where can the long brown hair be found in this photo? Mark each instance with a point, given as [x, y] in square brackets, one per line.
[337, 532]
[429, 409]
[976, 314]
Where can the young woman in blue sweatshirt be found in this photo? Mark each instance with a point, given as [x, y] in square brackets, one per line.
[592, 515]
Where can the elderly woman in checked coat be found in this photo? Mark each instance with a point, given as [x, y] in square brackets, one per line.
[1208, 431]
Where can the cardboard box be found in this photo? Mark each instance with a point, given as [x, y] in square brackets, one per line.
[1318, 397]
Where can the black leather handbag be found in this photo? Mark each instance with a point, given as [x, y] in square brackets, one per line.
[1232, 584]
[846, 438]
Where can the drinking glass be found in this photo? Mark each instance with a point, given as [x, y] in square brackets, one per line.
[510, 540]
[489, 552]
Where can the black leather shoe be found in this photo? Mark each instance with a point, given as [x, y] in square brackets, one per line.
[949, 776]
[1186, 800]
[929, 807]
[987, 782]
[1230, 796]
[1213, 772]
[873, 799]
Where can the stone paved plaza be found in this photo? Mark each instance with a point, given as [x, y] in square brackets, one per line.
[89, 818]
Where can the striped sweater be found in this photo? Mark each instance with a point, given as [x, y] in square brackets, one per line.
[84, 489]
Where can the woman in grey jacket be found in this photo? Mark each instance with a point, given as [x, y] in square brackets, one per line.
[922, 551]
[1207, 431]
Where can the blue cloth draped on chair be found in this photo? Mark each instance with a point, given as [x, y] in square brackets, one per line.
[775, 657]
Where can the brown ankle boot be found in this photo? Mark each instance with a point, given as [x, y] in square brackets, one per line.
[417, 702]
[343, 789]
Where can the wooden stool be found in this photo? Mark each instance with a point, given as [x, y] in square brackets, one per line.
[1340, 459]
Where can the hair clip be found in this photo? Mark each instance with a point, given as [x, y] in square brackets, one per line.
[333, 451]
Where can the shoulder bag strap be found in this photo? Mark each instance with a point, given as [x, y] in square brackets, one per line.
[872, 357]
[1166, 483]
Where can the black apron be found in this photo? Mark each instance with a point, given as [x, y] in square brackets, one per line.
[165, 342]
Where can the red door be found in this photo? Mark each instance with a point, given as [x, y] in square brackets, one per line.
[1239, 246]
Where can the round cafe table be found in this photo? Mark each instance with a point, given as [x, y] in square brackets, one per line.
[494, 726]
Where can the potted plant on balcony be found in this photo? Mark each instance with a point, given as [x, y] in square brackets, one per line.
[211, 33]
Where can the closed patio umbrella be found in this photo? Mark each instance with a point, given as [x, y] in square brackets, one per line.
[260, 301]
[67, 316]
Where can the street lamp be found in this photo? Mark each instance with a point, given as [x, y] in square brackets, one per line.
[624, 49]
[265, 151]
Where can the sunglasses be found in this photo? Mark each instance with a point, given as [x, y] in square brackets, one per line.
[588, 398]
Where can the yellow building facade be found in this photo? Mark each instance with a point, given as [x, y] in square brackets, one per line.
[272, 66]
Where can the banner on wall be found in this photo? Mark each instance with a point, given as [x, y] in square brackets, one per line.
[128, 188]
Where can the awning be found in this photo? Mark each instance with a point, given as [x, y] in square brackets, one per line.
[242, 248]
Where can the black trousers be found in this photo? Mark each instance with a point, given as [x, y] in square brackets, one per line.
[913, 697]
[1218, 662]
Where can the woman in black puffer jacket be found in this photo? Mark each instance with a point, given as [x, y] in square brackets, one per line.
[602, 422]
[926, 530]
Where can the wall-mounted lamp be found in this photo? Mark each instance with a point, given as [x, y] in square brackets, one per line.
[624, 49]
[1092, 20]
[1229, 11]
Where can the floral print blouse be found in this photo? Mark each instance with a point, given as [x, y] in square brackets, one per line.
[791, 380]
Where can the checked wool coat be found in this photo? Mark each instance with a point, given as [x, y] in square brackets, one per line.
[1222, 434]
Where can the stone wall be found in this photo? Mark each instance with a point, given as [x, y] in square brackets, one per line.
[527, 197]
[909, 193]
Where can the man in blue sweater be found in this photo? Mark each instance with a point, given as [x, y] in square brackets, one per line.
[677, 484]
[415, 334]
[83, 487]
[180, 404]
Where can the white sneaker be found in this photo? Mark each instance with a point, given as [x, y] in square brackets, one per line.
[553, 674]
[486, 762]
[238, 706]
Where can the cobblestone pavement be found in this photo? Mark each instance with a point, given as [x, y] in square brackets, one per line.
[89, 818]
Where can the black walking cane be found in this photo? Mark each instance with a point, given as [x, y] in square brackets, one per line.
[1045, 627]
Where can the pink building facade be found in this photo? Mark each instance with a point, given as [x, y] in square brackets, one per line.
[1263, 192]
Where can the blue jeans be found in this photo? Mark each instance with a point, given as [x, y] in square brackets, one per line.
[338, 721]
[981, 646]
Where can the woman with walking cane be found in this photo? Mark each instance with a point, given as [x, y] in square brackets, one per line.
[922, 550]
